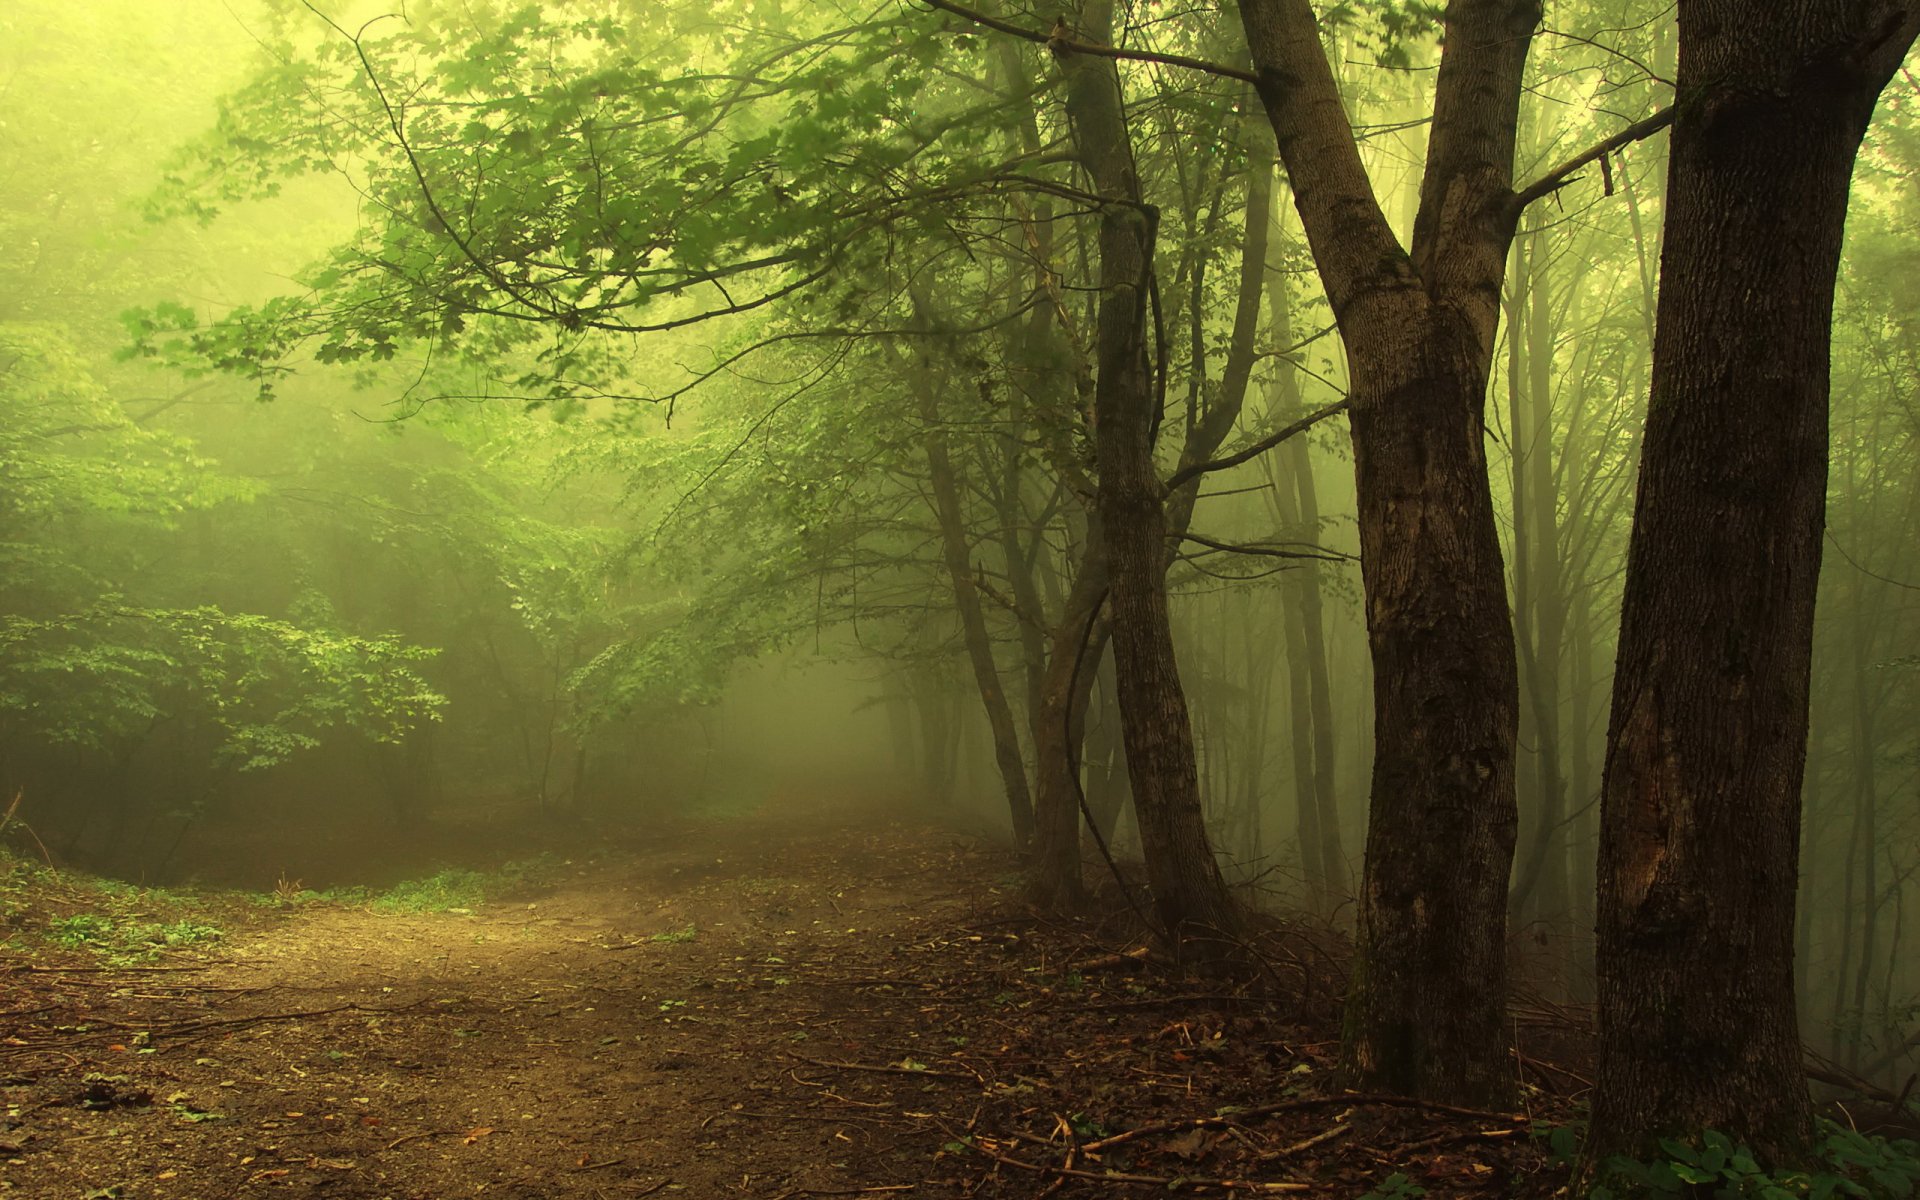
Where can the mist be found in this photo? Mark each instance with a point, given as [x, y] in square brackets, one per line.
[959, 600]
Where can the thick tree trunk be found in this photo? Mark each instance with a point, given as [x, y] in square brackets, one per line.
[1426, 1014]
[1430, 992]
[1707, 743]
[1189, 894]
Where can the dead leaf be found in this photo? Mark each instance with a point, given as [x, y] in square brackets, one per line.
[1193, 1144]
[474, 1135]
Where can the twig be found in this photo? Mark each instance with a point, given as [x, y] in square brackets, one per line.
[1059, 43]
[1296, 1105]
[1562, 175]
[1318, 1139]
[1453, 1135]
[1185, 474]
[883, 1070]
[1159, 1001]
[1230, 1185]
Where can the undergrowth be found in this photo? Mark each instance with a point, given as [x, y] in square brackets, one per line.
[43, 907]
[1712, 1166]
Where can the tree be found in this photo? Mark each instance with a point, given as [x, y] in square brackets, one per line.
[1428, 1000]
[1707, 741]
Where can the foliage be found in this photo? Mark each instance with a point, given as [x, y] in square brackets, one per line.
[269, 688]
[1846, 1163]
[457, 889]
[1395, 1187]
[448, 890]
[125, 941]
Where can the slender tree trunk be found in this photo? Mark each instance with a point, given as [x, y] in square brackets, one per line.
[1106, 760]
[1707, 743]
[1059, 730]
[1296, 502]
[1866, 801]
[1540, 601]
[1189, 893]
[973, 620]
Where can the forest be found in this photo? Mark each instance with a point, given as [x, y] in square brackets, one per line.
[772, 599]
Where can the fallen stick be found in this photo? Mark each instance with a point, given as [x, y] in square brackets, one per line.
[1165, 1181]
[1280, 1106]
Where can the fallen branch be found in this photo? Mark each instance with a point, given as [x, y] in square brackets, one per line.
[1296, 1105]
[883, 1070]
[1107, 962]
[1164, 1181]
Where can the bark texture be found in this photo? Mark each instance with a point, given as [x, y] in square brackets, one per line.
[1707, 741]
[1426, 1013]
[1189, 894]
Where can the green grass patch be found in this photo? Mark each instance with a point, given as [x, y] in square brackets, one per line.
[440, 892]
[125, 941]
[457, 889]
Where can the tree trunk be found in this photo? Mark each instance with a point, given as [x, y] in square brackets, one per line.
[1707, 741]
[1295, 500]
[1189, 894]
[1427, 1011]
[973, 620]
[1540, 601]
[1059, 729]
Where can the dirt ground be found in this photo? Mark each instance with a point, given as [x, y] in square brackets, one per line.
[763, 1008]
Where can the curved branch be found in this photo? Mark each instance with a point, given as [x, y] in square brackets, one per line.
[1186, 474]
[1059, 43]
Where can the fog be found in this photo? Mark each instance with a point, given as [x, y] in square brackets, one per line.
[431, 436]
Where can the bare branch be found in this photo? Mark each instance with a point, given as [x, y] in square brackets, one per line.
[1187, 474]
[1059, 43]
[1562, 175]
[1267, 550]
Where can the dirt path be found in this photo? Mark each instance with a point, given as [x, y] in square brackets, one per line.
[769, 1010]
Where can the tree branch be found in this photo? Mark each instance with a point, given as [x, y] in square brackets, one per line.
[1060, 44]
[1265, 551]
[1185, 474]
[1562, 175]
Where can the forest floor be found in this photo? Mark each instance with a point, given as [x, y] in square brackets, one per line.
[766, 1008]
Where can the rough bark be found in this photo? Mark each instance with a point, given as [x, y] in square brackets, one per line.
[1189, 894]
[1707, 741]
[1426, 1013]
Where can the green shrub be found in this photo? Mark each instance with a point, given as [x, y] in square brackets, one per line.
[1712, 1166]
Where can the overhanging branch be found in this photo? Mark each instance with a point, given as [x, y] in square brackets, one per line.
[1059, 43]
[1562, 175]
[1188, 474]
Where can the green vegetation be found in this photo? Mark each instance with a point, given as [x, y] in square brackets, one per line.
[1712, 1166]
[458, 889]
[124, 931]
[451, 889]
